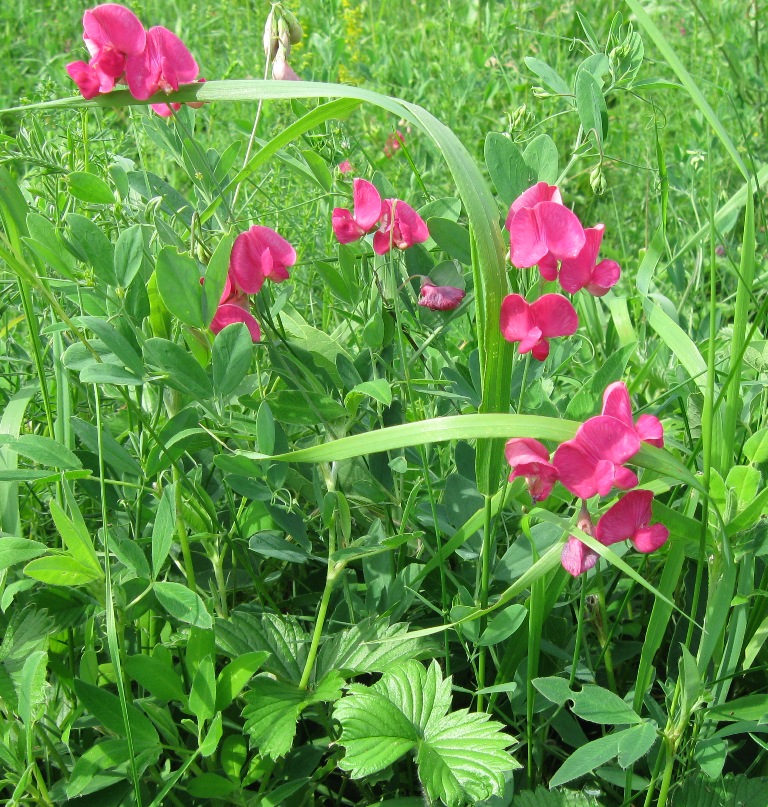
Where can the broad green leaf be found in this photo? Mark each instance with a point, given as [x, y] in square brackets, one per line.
[587, 399]
[600, 705]
[76, 538]
[178, 281]
[503, 625]
[18, 550]
[202, 696]
[211, 786]
[89, 188]
[115, 456]
[182, 371]
[590, 105]
[32, 687]
[157, 677]
[93, 247]
[509, 172]
[45, 451]
[461, 756]
[183, 604]
[216, 277]
[163, 529]
[129, 254]
[116, 342]
[731, 790]
[379, 389]
[61, 570]
[635, 743]
[750, 707]
[231, 358]
[273, 709]
[548, 75]
[107, 373]
[275, 546]
[554, 689]
[236, 675]
[586, 759]
[756, 447]
[541, 157]
[452, 238]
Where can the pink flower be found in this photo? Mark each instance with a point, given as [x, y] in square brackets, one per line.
[530, 459]
[345, 166]
[592, 462]
[233, 307]
[86, 78]
[401, 226]
[440, 298]
[368, 209]
[282, 71]
[542, 230]
[577, 557]
[164, 64]
[394, 141]
[112, 33]
[258, 254]
[165, 110]
[630, 518]
[616, 403]
[583, 271]
[532, 324]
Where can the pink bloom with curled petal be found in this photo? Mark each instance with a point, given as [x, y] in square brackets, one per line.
[542, 230]
[530, 459]
[401, 226]
[86, 78]
[348, 226]
[164, 64]
[258, 254]
[112, 33]
[616, 403]
[440, 298]
[630, 518]
[593, 461]
[282, 71]
[577, 557]
[533, 324]
[233, 307]
[165, 110]
[583, 271]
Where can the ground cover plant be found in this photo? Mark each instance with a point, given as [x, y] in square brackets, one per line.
[382, 407]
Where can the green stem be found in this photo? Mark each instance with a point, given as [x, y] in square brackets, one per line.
[181, 531]
[485, 576]
[666, 779]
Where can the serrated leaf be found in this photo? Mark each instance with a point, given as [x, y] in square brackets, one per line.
[273, 710]
[182, 603]
[461, 756]
[18, 550]
[729, 791]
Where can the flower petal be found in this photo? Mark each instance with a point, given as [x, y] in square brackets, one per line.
[524, 450]
[649, 539]
[345, 228]
[409, 227]
[228, 313]
[367, 203]
[616, 403]
[630, 513]
[560, 229]
[604, 277]
[527, 242]
[650, 430]
[608, 438]
[440, 298]
[555, 315]
[516, 319]
[540, 192]
[85, 77]
[577, 557]
[113, 25]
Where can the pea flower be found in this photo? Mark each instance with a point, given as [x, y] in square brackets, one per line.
[577, 557]
[593, 461]
[630, 518]
[393, 143]
[258, 254]
[533, 324]
[401, 226]
[440, 298]
[233, 307]
[616, 403]
[542, 230]
[345, 166]
[349, 227]
[583, 271]
[163, 64]
[530, 459]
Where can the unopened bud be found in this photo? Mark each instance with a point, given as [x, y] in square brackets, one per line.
[294, 26]
[598, 181]
[270, 36]
[518, 116]
[540, 92]
[284, 37]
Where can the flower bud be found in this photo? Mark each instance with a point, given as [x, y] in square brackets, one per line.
[294, 26]
[284, 37]
[598, 181]
[270, 36]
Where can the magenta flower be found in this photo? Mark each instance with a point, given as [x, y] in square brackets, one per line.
[533, 324]
[258, 254]
[164, 64]
[233, 307]
[112, 33]
[368, 210]
[583, 271]
[616, 403]
[542, 230]
[577, 557]
[86, 78]
[630, 518]
[401, 226]
[440, 298]
[530, 459]
[394, 141]
[593, 461]
[345, 167]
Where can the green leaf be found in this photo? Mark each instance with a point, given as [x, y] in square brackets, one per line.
[18, 550]
[273, 710]
[635, 743]
[548, 75]
[236, 675]
[600, 705]
[93, 247]
[202, 696]
[116, 343]
[379, 389]
[750, 707]
[182, 370]
[232, 353]
[272, 545]
[590, 105]
[178, 281]
[89, 188]
[129, 255]
[452, 238]
[32, 687]
[106, 373]
[75, 535]
[554, 689]
[163, 529]
[541, 157]
[461, 756]
[211, 741]
[730, 791]
[586, 759]
[503, 625]
[509, 172]
[45, 451]
[115, 456]
[586, 401]
[157, 676]
[183, 604]
[60, 570]
[756, 447]
[216, 277]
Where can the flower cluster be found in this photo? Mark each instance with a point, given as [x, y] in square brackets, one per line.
[593, 463]
[545, 233]
[257, 255]
[280, 32]
[121, 50]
